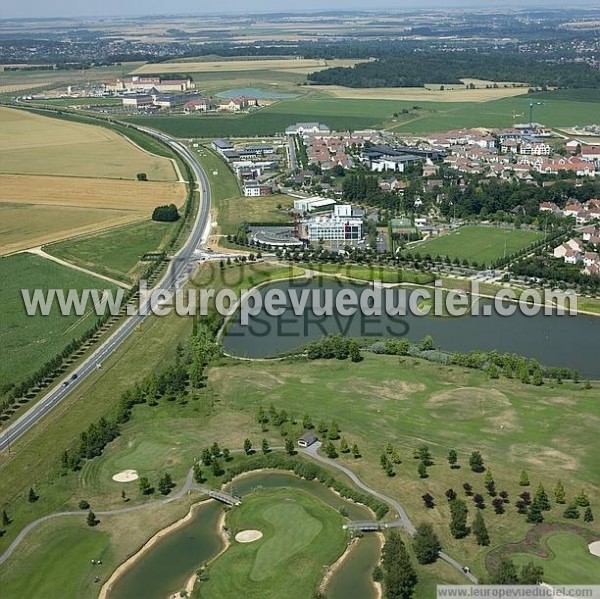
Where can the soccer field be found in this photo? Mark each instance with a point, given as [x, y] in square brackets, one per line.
[480, 244]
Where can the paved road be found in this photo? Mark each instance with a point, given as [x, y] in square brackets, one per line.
[293, 159]
[405, 522]
[178, 273]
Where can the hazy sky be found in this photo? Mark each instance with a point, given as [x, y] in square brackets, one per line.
[62, 8]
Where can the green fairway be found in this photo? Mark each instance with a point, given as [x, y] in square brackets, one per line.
[116, 253]
[70, 576]
[569, 561]
[550, 431]
[480, 244]
[29, 341]
[301, 534]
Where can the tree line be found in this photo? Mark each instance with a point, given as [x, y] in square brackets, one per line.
[416, 69]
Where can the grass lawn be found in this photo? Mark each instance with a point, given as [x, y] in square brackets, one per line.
[373, 273]
[547, 430]
[116, 253]
[300, 536]
[234, 211]
[482, 244]
[29, 341]
[569, 561]
[55, 559]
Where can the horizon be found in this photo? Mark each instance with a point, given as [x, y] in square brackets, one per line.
[71, 9]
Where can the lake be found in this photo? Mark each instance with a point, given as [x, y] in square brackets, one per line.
[570, 341]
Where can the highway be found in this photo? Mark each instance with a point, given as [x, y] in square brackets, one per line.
[180, 269]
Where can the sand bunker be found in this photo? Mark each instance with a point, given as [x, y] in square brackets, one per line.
[248, 536]
[595, 548]
[126, 476]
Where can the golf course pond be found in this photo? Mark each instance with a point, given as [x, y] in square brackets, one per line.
[168, 565]
[566, 341]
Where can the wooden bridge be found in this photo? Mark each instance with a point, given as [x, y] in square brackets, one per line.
[224, 497]
[368, 526]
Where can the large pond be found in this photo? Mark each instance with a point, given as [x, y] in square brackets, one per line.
[166, 567]
[571, 341]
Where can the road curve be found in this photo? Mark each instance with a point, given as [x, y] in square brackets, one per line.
[179, 271]
[312, 452]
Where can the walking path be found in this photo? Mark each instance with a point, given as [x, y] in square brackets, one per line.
[38, 251]
[189, 485]
[312, 452]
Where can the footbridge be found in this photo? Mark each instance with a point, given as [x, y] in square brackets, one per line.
[368, 526]
[224, 497]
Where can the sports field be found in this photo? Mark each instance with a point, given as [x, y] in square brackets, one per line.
[482, 244]
[384, 398]
[301, 535]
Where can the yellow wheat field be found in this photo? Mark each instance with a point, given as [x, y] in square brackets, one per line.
[80, 192]
[421, 94]
[230, 65]
[24, 226]
[35, 144]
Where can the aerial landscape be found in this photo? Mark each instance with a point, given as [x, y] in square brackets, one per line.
[299, 301]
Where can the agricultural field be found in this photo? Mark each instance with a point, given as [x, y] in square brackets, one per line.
[60, 179]
[27, 80]
[354, 114]
[29, 341]
[482, 244]
[24, 226]
[32, 144]
[297, 529]
[303, 66]
[107, 254]
[420, 94]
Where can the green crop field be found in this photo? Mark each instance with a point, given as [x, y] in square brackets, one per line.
[116, 253]
[561, 110]
[29, 341]
[482, 244]
[300, 536]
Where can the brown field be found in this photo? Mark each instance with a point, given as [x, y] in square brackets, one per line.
[300, 66]
[420, 94]
[38, 145]
[60, 180]
[23, 226]
[79, 192]
[40, 209]
[17, 87]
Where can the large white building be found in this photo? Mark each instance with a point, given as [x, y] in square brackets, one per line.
[313, 204]
[340, 226]
[303, 128]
